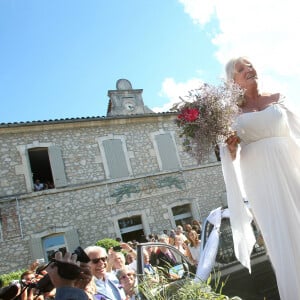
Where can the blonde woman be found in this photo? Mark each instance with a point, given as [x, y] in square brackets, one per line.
[194, 246]
[266, 146]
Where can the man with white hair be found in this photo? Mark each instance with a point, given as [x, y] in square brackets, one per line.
[107, 284]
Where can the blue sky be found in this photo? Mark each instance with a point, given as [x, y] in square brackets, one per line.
[58, 58]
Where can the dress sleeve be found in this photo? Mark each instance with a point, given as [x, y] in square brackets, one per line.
[240, 216]
[293, 121]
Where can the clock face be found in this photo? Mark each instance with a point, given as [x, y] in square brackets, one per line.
[129, 105]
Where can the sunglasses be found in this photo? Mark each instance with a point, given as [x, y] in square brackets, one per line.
[96, 260]
[127, 275]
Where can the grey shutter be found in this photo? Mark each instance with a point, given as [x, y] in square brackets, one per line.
[115, 158]
[167, 151]
[57, 166]
[29, 182]
[36, 248]
[71, 238]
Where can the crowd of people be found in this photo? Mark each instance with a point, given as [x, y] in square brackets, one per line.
[39, 186]
[265, 145]
[109, 274]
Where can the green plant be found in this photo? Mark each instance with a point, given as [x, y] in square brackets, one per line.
[7, 278]
[198, 290]
[217, 284]
[107, 243]
[183, 289]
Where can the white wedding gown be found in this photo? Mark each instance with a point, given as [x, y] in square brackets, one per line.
[270, 173]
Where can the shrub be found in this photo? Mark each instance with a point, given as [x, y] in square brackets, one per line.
[107, 243]
[7, 278]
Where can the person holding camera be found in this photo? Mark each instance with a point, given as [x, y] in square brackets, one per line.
[23, 289]
[27, 282]
[9, 292]
[115, 261]
[65, 272]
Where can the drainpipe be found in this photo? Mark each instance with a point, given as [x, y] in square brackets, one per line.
[19, 217]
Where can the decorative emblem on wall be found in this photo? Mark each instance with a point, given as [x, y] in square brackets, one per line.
[125, 189]
[143, 187]
[170, 181]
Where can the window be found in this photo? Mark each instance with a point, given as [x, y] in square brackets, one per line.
[40, 166]
[165, 148]
[43, 161]
[52, 244]
[132, 229]
[182, 214]
[44, 244]
[47, 163]
[115, 157]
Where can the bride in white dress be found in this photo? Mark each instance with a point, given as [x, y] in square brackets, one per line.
[266, 147]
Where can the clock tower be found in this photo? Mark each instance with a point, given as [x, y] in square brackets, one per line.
[125, 100]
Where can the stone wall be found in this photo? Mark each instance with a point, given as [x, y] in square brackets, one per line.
[90, 204]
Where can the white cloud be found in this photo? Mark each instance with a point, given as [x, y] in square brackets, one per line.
[199, 10]
[172, 91]
[265, 31]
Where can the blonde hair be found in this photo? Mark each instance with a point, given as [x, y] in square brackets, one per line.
[230, 66]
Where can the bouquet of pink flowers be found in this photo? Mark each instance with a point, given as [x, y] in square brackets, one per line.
[206, 115]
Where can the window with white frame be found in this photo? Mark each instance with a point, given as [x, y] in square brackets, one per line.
[52, 244]
[131, 228]
[115, 157]
[182, 214]
[165, 148]
[44, 244]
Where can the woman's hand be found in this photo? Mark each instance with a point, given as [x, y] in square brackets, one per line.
[232, 144]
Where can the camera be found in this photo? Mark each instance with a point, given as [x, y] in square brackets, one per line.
[81, 255]
[67, 271]
[117, 248]
[44, 285]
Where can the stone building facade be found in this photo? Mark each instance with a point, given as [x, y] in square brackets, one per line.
[125, 175]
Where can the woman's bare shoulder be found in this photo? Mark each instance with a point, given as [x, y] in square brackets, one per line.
[272, 97]
[276, 97]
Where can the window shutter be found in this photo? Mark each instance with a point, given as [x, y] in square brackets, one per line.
[115, 158]
[57, 166]
[1, 231]
[36, 248]
[71, 237]
[167, 151]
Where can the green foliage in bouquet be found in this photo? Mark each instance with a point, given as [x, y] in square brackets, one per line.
[184, 289]
[206, 115]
